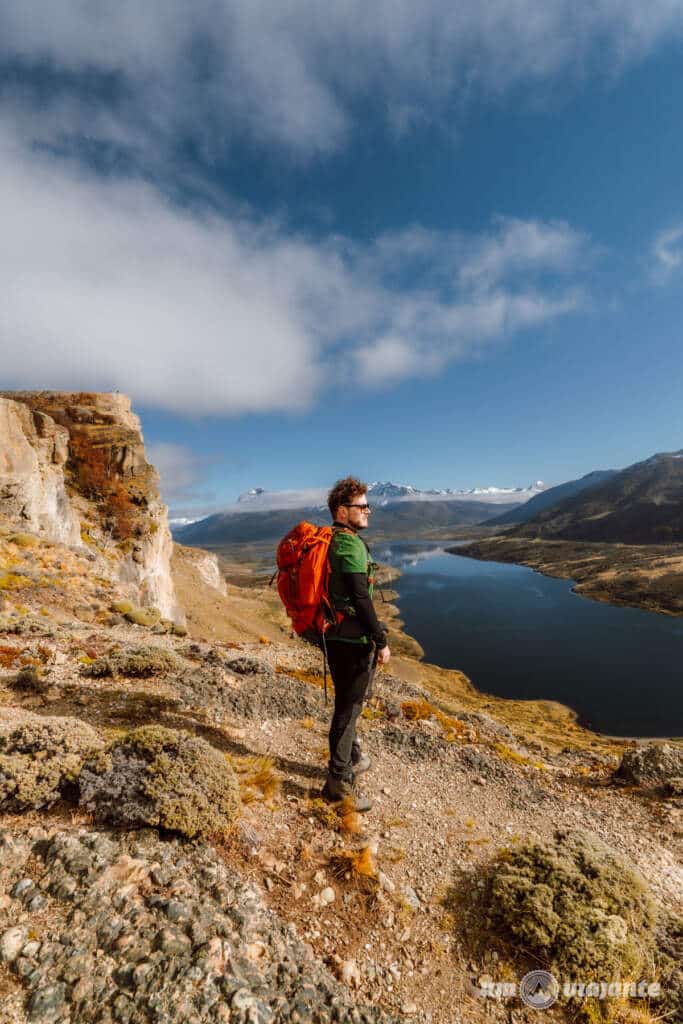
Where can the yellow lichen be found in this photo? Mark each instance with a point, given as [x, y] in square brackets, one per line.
[10, 581]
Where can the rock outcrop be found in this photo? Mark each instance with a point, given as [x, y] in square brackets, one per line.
[73, 469]
[33, 453]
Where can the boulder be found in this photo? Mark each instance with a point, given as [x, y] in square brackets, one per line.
[652, 765]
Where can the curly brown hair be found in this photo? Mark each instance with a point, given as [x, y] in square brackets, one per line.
[343, 492]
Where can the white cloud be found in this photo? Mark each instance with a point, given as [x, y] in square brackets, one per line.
[180, 469]
[107, 284]
[388, 359]
[521, 246]
[667, 254]
[295, 73]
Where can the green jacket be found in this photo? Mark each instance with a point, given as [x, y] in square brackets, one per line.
[352, 578]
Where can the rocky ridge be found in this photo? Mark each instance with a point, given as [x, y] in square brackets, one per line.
[73, 470]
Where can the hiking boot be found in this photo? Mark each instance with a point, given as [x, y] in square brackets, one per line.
[361, 765]
[360, 762]
[336, 789]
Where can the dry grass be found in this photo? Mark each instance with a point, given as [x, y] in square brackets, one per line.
[349, 818]
[257, 777]
[358, 866]
[312, 678]
[8, 655]
[422, 710]
[341, 816]
[10, 581]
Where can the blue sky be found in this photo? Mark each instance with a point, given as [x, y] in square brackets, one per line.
[440, 246]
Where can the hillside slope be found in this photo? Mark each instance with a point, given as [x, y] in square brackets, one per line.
[642, 504]
[551, 497]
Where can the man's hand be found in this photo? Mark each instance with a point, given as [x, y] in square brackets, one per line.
[383, 655]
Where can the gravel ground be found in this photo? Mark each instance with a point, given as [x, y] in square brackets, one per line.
[182, 952]
[132, 928]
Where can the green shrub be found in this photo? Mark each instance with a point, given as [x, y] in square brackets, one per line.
[160, 777]
[142, 662]
[39, 757]
[29, 680]
[100, 668]
[577, 905]
[143, 616]
[137, 662]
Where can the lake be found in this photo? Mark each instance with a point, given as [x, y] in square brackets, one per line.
[516, 633]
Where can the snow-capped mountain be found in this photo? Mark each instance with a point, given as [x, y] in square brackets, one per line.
[383, 493]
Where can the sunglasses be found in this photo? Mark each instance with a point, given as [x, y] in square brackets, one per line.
[365, 508]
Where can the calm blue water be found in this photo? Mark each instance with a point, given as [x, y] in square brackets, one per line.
[518, 634]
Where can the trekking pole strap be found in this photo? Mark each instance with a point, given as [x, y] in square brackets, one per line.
[324, 647]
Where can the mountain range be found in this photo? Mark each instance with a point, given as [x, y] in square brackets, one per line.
[550, 497]
[642, 504]
[404, 518]
[380, 493]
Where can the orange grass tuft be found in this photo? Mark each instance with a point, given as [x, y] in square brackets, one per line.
[349, 818]
[359, 864]
[257, 777]
[454, 729]
[8, 655]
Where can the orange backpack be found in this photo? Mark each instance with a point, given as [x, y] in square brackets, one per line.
[303, 578]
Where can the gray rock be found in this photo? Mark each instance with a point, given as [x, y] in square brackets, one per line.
[11, 943]
[172, 942]
[651, 765]
[22, 888]
[411, 897]
[46, 1003]
[13, 852]
[175, 910]
[247, 666]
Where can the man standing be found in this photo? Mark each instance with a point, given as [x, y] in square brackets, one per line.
[350, 645]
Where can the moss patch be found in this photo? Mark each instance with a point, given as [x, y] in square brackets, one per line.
[24, 540]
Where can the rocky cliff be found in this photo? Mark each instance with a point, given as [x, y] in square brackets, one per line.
[73, 470]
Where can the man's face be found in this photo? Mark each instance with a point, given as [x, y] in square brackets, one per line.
[353, 514]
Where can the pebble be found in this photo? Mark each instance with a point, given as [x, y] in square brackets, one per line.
[23, 886]
[46, 1003]
[350, 973]
[209, 951]
[11, 943]
[385, 882]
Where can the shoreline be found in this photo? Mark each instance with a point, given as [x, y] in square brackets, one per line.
[629, 576]
[496, 703]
